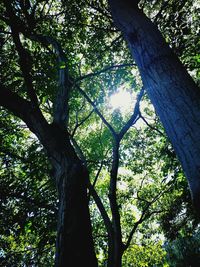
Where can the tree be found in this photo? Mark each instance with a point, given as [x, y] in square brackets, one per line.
[174, 94]
[59, 88]
[74, 229]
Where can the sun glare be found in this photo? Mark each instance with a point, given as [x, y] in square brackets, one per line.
[122, 100]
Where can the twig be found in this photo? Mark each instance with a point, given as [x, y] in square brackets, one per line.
[150, 126]
[134, 116]
[78, 124]
[92, 74]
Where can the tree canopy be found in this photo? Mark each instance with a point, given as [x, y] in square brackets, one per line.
[136, 185]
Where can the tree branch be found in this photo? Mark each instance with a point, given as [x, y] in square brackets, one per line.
[24, 55]
[150, 126]
[65, 84]
[78, 124]
[98, 173]
[95, 179]
[14, 103]
[92, 74]
[31, 115]
[145, 214]
[102, 210]
[134, 117]
[113, 194]
[97, 111]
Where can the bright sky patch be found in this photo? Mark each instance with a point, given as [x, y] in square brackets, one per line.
[122, 100]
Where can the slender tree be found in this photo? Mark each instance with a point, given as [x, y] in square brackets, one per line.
[172, 91]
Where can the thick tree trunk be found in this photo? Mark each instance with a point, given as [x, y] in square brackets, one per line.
[74, 239]
[172, 91]
[74, 233]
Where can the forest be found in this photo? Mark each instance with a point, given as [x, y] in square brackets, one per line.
[99, 133]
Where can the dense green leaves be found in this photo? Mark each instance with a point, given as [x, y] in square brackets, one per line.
[152, 194]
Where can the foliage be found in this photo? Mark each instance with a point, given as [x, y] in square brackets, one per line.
[145, 256]
[184, 250]
[152, 194]
[28, 198]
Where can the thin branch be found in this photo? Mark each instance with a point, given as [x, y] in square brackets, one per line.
[92, 74]
[97, 174]
[97, 111]
[133, 231]
[96, 178]
[145, 214]
[105, 162]
[138, 191]
[134, 117]
[143, 217]
[104, 12]
[78, 124]
[117, 39]
[150, 126]
[101, 208]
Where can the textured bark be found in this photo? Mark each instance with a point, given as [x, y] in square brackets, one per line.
[172, 91]
[74, 240]
[74, 234]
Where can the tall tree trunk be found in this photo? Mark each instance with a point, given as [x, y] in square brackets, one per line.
[115, 247]
[74, 237]
[172, 91]
[74, 240]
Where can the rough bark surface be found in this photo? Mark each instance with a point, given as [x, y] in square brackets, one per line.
[172, 91]
[74, 228]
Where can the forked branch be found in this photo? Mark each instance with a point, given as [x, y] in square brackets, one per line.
[64, 82]
[96, 110]
[24, 55]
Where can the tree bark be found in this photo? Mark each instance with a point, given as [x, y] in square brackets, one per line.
[74, 243]
[115, 247]
[175, 96]
[74, 240]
